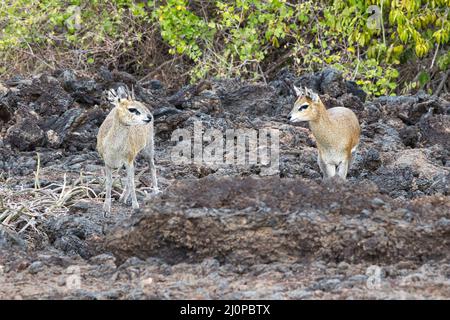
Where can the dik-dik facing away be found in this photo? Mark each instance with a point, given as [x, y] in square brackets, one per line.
[126, 131]
[336, 131]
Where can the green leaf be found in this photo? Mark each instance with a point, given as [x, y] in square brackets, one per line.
[424, 78]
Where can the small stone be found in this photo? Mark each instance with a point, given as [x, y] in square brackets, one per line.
[299, 294]
[155, 84]
[76, 166]
[133, 261]
[343, 265]
[61, 281]
[147, 282]
[93, 168]
[443, 222]
[80, 206]
[36, 267]
[365, 213]
[326, 285]
[103, 259]
[405, 265]
[358, 278]
[334, 207]
[377, 202]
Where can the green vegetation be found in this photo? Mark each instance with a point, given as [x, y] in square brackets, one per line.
[393, 47]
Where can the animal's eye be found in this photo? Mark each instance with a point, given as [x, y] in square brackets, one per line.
[303, 107]
[135, 111]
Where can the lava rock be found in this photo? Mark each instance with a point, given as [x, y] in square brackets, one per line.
[25, 135]
[36, 267]
[10, 240]
[250, 221]
[409, 136]
[332, 83]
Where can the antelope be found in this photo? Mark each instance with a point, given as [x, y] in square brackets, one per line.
[335, 130]
[126, 131]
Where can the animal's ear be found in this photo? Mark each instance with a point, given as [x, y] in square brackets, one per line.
[314, 97]
[122, 93]
[307, 92]
[298, 92]
[113, 97]
[311, 95]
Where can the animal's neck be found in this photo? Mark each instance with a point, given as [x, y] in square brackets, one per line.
[320, 126]
[120, 130]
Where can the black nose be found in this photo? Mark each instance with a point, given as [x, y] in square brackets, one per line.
[148, 120]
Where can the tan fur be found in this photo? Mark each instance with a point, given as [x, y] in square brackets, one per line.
[336, 131]
[122, 135]
[117, 142]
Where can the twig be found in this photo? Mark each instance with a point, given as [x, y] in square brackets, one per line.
[357, 64]
[434, 56]
[278, 63]
[262, 73]
[442, 83]
[382, 25]
[37, 184]
[162, 65]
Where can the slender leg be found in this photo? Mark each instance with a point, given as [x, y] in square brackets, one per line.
[131, 185]
[149, 154]
[107, 204]
[343, 168]
[153, 171]
[328, 170]
[126, 191]
[350, 160]
[352, 157]
[321, 166]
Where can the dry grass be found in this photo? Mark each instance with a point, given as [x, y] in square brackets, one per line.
[24, 208]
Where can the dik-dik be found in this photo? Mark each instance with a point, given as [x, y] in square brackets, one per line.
[126, 131]
[336, 131]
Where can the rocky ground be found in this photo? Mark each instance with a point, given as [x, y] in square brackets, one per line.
[222, 232]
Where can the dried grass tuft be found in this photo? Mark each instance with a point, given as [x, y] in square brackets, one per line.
[24, 209]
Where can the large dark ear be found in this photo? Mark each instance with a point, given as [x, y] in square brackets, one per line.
[298, 92]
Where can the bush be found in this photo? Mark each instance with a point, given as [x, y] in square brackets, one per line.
[244, 38]
[76, 34]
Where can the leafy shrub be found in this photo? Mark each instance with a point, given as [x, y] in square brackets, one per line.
[244, 35]
[244, 38]
[57, 33]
